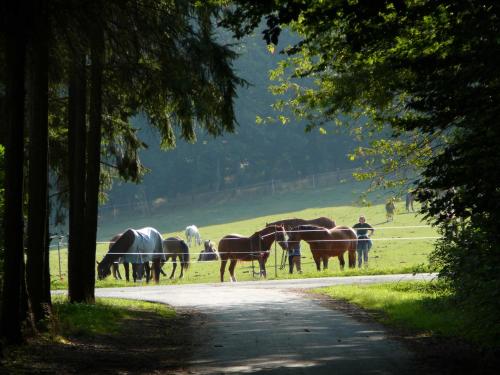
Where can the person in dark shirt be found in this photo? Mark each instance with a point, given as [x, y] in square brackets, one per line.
[364, 242]
[294, 258]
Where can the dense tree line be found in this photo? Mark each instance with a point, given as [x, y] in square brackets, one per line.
[73, 75]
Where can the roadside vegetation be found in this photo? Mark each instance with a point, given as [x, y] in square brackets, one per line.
[81, 338]
[106, 316]
[421, 308]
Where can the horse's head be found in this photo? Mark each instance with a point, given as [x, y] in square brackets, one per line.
[281, 236]
[103, 270]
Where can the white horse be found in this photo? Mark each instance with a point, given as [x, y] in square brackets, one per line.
[192, 233]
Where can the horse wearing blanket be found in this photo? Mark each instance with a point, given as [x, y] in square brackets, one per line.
[136, 246]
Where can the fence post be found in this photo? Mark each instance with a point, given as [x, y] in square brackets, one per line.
[275, 255]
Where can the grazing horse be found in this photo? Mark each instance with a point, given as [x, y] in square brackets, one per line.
[325, 243]
[291, 223]
[191, 233]
[234, 247]
[138, 247]
[175, 247]
[135, 267]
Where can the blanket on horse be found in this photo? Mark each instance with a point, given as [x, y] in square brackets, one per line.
[147, 246]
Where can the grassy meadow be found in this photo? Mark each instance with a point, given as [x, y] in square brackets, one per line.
[246, 215]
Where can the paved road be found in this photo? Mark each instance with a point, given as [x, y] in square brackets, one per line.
[270, 327]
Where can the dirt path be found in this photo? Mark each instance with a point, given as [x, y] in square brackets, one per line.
[261, 327]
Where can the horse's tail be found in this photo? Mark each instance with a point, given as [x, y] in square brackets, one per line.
[185, 258]
[352, 249]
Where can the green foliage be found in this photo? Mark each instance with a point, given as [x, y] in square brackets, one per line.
[427, 69]
[106, 316]
[468, 260]
[423, 307]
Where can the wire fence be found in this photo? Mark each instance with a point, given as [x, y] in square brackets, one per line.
[62, 244]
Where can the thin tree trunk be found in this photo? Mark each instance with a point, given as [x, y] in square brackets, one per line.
[93, 161]
[37, 254]
[46, 266]
[15, 53]
[76, 152]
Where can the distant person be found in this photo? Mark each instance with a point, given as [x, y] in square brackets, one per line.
[294, 258]
[390, 208]
[364, 242]
[409, 201]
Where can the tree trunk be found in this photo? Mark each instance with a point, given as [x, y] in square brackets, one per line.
[93, 161]
[76, 152]
[15, 53]
[37, 255]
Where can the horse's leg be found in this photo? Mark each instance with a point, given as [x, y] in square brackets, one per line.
[222, 269]
[262, 265]
[317, 259]
[126, 267]
[134, 272]
[147, 271]
[182, 267]
[113, 270]
[118, 271]
[341, 261]
[161, 268]
[232, 265]
[325, 262]
[352, 258]
[156, 270]
[174, 266]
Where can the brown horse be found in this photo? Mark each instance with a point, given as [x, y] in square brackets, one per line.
[175, 247]
[291, 223]
[234, 247]
[325, 243]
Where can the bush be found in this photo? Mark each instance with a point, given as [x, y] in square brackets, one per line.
[469, 263]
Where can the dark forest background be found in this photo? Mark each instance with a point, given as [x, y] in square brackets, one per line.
[254, 153]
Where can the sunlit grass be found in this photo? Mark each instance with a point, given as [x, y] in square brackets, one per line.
[106, 316]
[425, 308]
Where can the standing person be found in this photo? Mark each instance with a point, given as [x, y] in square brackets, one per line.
[409, 202]
[364, 242]
[294, 258]
[389, 209]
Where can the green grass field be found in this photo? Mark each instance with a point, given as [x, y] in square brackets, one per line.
[245, 216]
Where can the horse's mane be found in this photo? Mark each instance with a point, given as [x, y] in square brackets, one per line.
[321, 221]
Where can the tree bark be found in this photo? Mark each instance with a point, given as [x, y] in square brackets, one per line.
[15, 54]
[93, 160]
[37, 250]
[76, 152]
